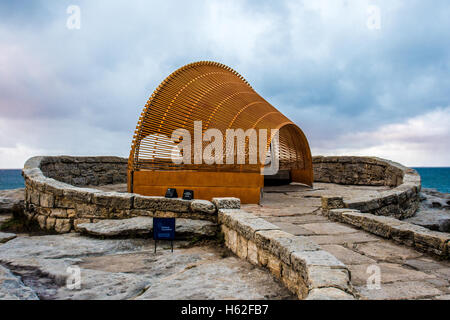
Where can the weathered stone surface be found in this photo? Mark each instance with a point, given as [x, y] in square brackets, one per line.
[63, 225]
[358, 171]
[242, 247]
[322, 277]
[79, 195]
[161, 203]
[50, 224]
[58, 213]
[248, 226]
[11, 200]
[344, 239]
[128, 269]
[282, 244]
[47, 200]
[12, 288]
[143, 226]
[329, 203]
[433, 219]
[203, 206]
[400, 231]
[296, 230]
[387, 251]
[187, 228]
[41, 220]
[113, 199]
[231, 238]
[5, 237]
[228, 216]
[389, 272]
[400, 291]
[114, 228]
[432, 241]
[328, 228]
[293, 281]
[329, 294]
[227, 203]
[346, 255]
[252, 252]
[302, 260]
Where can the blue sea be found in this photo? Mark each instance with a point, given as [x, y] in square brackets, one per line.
[11, 179]
[434, 178]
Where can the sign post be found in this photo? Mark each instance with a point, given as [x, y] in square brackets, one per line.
[164, 229]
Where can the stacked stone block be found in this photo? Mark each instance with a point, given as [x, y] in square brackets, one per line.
[301, 265]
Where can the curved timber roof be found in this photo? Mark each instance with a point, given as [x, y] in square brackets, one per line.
[222, 99]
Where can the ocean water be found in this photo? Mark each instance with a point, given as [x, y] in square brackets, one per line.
[11, 179]
[434, 178]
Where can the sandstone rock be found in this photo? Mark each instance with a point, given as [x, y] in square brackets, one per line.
[203, 206]
[128, 269]
[143, 226]
[332, 203]
[113, 199]
[12, 201]
[405, 290]
[329, 294]
[5, 237]
[12, 288]
[227, 203]
[282, 244]
[113, 228]
[301, 260]
[161, 204]
[244, 223]
[432, 241]
[227, 216]
[187, 228]
[63, 225]
[436, 220]
[322, 277]
[347, 256]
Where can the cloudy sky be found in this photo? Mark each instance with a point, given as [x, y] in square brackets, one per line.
[356, 82]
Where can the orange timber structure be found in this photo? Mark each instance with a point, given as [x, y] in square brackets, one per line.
[222, 99]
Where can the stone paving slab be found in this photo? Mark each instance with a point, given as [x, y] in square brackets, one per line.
[298, 220]
[426, 264]
[329, 228]
[401, 291]
[387, 251]
[293, 228]
[348, 238]
[390, 272]
[347, 256]
[405, 272]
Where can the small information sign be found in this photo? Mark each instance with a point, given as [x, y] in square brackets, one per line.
[164, 229]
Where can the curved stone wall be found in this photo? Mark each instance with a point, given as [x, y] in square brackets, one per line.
[59, 206]
[85, 171]
[369, 171]
[401, 201]
[57, 198]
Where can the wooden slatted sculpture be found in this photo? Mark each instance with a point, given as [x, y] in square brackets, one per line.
[206, 107]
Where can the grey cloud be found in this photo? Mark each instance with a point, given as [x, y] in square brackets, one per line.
[321, 67]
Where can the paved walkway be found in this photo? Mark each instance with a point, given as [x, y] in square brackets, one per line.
[405, 272]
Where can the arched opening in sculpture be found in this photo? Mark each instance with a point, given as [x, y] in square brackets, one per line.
[202, 129]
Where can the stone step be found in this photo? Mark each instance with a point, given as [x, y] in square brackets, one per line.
[143, 226]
